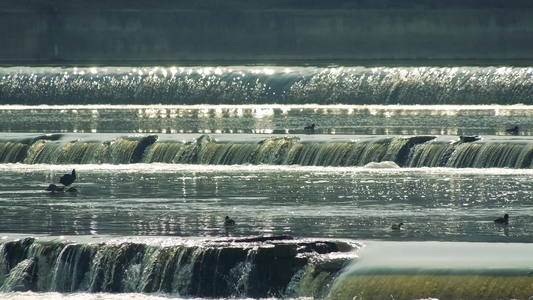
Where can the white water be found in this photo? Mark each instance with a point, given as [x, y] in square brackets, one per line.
[267, 85]
[448, 212]
[106, 296]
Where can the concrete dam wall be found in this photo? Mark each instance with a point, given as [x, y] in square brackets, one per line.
[61, 32]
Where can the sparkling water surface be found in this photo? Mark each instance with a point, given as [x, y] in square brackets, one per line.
[454, 207]
[435, 204]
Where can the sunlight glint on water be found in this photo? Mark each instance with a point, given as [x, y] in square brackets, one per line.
[187, 200]
[230, 141]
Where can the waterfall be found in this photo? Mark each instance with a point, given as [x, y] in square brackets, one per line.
[286, 151]
[421, 270]
[266, 85]
[122, 150]
[262, 267]
[12, 152]
[336, 151]
[489, 154]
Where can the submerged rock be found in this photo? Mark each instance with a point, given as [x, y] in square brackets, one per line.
[71, 190]
[52, 188]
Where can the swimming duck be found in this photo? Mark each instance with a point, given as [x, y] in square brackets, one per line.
[228, 221]
[513, 130]
[397, 227]
[504, 220]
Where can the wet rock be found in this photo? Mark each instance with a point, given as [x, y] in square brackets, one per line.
[22, 277]
[264, 239]
[145, 142]
[71, 190]
[15, 252]
[321, 247]
[403, 153]
[284, 251]
[52, 188]
[255, 267]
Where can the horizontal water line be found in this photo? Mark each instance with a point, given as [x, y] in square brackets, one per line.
[243, 149]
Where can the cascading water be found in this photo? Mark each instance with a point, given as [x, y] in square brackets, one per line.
[226, 268]
[491, 153]
[414, 151]
[163, 170]
[266, 85]
[442, 270]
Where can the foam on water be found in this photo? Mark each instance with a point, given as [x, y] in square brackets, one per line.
[111, 296]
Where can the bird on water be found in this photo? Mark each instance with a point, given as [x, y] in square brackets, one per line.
[68, 179]
[310, 127]
[397, 227]
[228, 221]
[504, 220]
[513, 130]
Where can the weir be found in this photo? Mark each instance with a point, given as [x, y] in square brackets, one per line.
[242, 149]
[261, 267]
[239, 85]
[418, 270]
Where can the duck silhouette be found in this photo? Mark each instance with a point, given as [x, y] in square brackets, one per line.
[469, 138]
[515, 130]
[504, 220]
[310, 127]
[68, 179]
[228, 221]
[397, 227]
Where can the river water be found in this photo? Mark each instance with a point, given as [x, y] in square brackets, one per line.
[155, 181]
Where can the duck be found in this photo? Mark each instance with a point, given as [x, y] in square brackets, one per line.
[228, 221]
[504, 220]
[310, 127]
[397, 227]
[68, 179]
[513, 130]
[469, 138]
